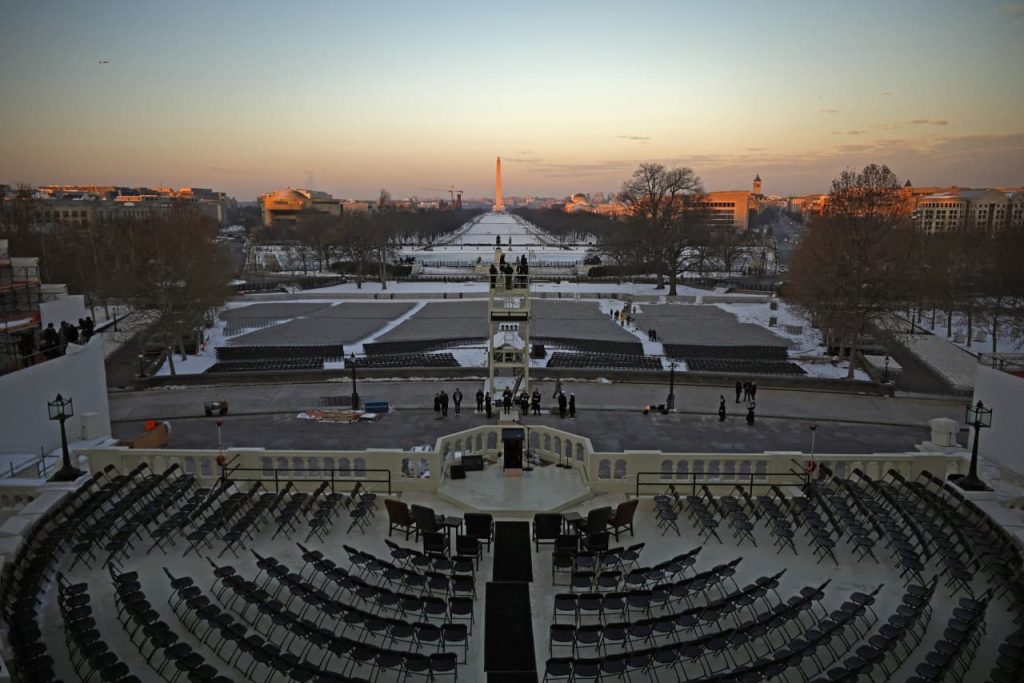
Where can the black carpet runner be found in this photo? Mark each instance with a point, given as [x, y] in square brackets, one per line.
[508, 624]
[513, 554]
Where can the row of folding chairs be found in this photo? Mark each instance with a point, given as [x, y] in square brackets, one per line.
[169, 657]
[691, 627]
[567, 557]
[951, 657]
[189, 513]
[308, 625]
[30, 571]
[90, 654]
[420, 572]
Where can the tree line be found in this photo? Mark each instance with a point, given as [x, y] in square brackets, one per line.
[862, 269]
[168, 262]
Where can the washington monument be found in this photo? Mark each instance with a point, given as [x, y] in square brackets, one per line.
[499, 205]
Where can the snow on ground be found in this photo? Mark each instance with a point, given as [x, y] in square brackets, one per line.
[1006, 341]
[803, 343]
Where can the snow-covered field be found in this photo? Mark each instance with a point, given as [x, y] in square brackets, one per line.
[518, 236]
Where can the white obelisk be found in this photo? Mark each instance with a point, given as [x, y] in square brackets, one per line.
[499, 205]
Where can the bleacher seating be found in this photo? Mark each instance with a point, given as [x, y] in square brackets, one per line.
[693, 351]
[390, 348]
[622, 348]
[743, 367]
[406, 360]
[563, 359]
[288, 351]
[267, 365]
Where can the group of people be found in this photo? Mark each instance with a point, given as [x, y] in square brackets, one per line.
[441, 402]
[721, 408]
[747, 389]
[55, 341]
[652, 335]
[528, 403]
[520, 272]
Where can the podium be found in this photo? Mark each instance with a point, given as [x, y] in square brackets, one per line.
[512, 439]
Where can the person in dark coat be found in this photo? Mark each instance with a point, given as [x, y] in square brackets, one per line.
[487, 403]
[457, 400]
[750, 413]
[654, 333]
[437, 406]
[524, 403]
[444, 403]
[753, 391]
[51, 340]
[89, 328]
[535, 402]
[563, 403]
[479, 400]
[739, 390]
[721, 408]
[494, 275]
[746, 390]
[507, 401]
[572, 405]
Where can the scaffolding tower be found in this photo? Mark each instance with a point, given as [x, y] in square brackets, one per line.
[508, 314]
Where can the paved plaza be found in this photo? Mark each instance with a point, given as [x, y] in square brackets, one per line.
[611, 415]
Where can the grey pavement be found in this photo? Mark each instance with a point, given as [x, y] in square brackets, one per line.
[704, 326]
[610, 414]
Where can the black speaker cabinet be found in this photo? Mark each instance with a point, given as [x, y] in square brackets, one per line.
[458, 472]
[473, 463]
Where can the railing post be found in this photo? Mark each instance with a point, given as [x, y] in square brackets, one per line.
[277, 488]
[332, 480]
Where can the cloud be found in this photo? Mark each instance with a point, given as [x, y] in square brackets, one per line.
[885, 93]
[638, 138]
[523, 159]
[1014, 8]
[848, 132]
[929, 122]
[829, 111]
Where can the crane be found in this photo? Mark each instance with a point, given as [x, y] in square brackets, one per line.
[451, 192]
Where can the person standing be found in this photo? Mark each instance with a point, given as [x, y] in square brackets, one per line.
[487, 403]
[750, 413]
[721, 408]
[437, 406]
[51, 340]
[558, 388]
[572, 405]
[654, 333]
[507, 401]
[753, 391]
[739, 389]
[562, 405]
[535, 402]
[444, 403]
[457, 400]
[479, 400]
[494, 275]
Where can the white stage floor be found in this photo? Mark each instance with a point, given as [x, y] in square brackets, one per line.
[542, 489]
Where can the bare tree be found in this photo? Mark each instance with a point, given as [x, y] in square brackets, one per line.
[853, 265]
[668, 200]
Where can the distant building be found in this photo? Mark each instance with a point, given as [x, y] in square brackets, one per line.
[985, 210]
[83, 205]
[282, 207]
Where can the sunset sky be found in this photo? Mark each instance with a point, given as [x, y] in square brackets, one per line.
[353, 97]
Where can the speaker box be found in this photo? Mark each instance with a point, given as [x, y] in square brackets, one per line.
[457, 472]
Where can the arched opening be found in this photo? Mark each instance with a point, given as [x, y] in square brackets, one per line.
[620, 469]
[666, 469]
[604, 469]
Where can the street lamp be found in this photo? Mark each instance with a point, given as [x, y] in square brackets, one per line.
[61, 409]
[355, 394]
[142, 369]
[885, 373]
[670, 404]
[979, 417]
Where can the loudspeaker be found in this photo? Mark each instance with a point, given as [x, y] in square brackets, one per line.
[457, 472]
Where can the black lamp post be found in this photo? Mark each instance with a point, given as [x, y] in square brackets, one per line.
[61, 409]
[979, 417]
[670, 404]
[355, 394]
[885, 373]
[142, 369]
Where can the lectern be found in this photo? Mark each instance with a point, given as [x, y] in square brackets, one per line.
[512, 441]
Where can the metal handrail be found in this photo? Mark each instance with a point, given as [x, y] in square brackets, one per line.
[750, 480]
[228, 472]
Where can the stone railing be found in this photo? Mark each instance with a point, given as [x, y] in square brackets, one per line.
[605, 472]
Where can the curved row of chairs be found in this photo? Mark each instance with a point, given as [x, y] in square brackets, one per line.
[691, 352]
[321, 351]
[28, 574]
[590, 359]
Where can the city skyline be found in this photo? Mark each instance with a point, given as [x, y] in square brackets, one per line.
[406, 97]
